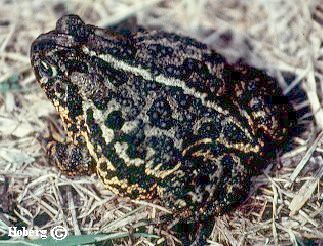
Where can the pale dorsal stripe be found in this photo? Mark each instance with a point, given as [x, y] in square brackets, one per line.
[168, 81]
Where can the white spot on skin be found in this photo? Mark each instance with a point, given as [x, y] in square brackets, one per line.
[196, 197]
[43, 80]
[180, 203]
[129, 126]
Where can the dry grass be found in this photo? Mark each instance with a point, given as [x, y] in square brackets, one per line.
[283, 37]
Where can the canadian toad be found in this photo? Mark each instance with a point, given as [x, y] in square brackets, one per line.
[159, 116]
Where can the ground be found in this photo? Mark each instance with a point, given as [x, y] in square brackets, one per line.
[282, 37]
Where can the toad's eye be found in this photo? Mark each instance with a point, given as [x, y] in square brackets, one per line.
[46, 70]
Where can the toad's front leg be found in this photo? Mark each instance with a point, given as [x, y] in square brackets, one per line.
[70, 158]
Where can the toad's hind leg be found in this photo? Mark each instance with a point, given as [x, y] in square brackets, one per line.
[215, 182]
[72, 159]
[195, 234]
[260, 96]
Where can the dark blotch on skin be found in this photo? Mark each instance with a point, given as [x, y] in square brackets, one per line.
[75, 102]
[74, 65]
[160, 114]
[234, 134]
[114, 120]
